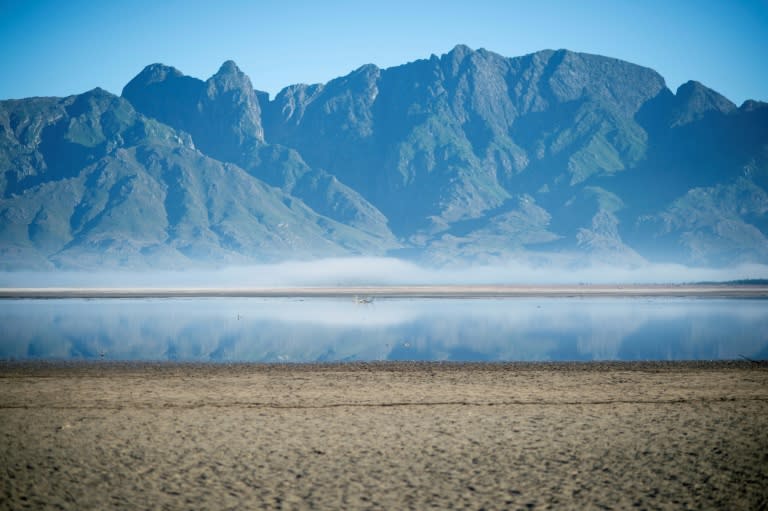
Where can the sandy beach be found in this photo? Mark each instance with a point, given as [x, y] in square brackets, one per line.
[384, 436]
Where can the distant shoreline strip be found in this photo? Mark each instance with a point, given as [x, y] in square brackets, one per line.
[366, 293]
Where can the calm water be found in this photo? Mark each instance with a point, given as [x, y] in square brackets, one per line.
[307, 330]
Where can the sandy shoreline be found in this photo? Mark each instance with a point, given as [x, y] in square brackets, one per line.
[715, 291]
[384, 436]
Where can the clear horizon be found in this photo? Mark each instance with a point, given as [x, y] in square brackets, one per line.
[59, 49]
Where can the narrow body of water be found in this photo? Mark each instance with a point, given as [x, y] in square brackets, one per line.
[316, 330]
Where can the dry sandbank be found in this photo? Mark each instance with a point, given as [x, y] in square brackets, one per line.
[715, 291]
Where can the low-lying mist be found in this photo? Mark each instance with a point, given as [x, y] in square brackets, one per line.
[368, 271]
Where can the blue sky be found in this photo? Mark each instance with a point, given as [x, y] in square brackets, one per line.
[57, 48]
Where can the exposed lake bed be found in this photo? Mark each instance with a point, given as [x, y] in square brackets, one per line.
[384, 435]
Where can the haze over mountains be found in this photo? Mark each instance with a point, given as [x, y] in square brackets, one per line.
[546, 158]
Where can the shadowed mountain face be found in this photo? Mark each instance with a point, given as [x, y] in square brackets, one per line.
[554, 156]
[222, 114]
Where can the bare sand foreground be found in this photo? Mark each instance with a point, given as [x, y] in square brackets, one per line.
[384, 436]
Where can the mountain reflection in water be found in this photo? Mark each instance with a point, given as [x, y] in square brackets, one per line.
[312, 330]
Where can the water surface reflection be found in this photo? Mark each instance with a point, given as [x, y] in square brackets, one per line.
[308, 330]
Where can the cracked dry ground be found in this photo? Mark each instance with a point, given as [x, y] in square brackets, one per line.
[384, 436]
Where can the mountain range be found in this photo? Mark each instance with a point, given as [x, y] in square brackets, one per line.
[551, 157]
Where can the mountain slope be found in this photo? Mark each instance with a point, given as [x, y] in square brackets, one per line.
[468, 156]
[101, 185]
[452, 134]
[223, 117]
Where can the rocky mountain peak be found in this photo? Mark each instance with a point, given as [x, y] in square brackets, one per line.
[454, 59]
[233, 108]
[694, 101]
[155, 73]
[230, 77]
[228, 67]
[751, 105]
[222, 114]
[460, 52]
[367, 70]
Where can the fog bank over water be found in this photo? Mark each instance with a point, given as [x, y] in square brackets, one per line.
[382, 271]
